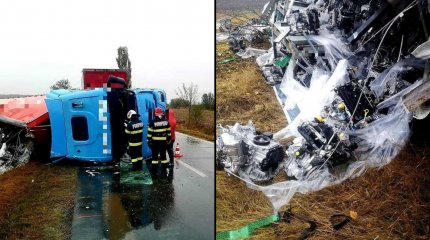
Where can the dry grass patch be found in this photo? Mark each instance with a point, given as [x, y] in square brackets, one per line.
[392, 203]
[205, 129]
[242, 95]
[36, 202]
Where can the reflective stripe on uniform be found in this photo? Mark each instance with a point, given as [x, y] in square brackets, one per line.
[150, 129]
[136, 159]
[134, 144]
[133, 132]
[162, 161]
[149, 135]
[161, 130]
[159, 138]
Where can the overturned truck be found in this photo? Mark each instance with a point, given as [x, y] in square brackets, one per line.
[352, 77]
[83, 125]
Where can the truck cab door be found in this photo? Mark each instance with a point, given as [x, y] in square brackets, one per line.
[87, 128]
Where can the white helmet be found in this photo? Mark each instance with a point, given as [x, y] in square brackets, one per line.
[131, 113]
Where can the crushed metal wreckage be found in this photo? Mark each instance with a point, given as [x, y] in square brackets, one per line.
[353, 75]
[239, 36]
[24, 130]
[15, 148]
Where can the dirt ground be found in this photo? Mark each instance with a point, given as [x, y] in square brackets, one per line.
[391, 203]
[36, 202]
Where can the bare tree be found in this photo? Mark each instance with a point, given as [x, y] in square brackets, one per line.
[61, 84]
[124, 62]
[190, 94]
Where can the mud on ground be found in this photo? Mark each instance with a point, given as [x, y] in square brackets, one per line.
[391, 203]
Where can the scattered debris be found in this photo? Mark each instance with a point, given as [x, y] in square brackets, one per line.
[244, 151]
[16, 147]
[353, 214]
[24, 125]
[241, 36]
[92, 172]
[288, 215]
[227, 60]
[247, 230]
[338, 221]
[346, 74]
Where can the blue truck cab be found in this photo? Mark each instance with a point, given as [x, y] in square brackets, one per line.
[88, 125]
[147, 100]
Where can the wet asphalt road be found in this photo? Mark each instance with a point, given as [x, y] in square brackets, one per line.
[179, 206]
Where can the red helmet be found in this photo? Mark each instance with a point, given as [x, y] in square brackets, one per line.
[158, 112]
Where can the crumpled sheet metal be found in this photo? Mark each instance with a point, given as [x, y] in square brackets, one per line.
[9, 161]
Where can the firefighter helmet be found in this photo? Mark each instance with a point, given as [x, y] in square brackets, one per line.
[158, 112]
[131, 113]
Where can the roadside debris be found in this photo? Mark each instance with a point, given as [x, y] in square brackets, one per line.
[247, 230]
[338, 221]
[24, 127]
[92, 172]
[16, 148]
[227, 60]
[342, 72]
[248, 153]
[288, 215]
[239, 36]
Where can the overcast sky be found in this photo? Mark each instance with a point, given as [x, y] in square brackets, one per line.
[169, 42]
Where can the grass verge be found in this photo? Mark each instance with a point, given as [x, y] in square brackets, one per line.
[36, 202]
[204, 130]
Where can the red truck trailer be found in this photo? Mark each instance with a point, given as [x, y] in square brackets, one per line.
[95, 78]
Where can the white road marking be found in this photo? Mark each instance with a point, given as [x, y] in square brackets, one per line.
[191, 168]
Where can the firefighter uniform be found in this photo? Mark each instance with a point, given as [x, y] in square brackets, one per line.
[158, 137]
[134, 131]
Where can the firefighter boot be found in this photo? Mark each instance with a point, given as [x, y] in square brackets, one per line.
[164, 169]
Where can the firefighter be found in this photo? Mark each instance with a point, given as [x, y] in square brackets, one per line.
[159, 137]
[134, 132]
[172, 122]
